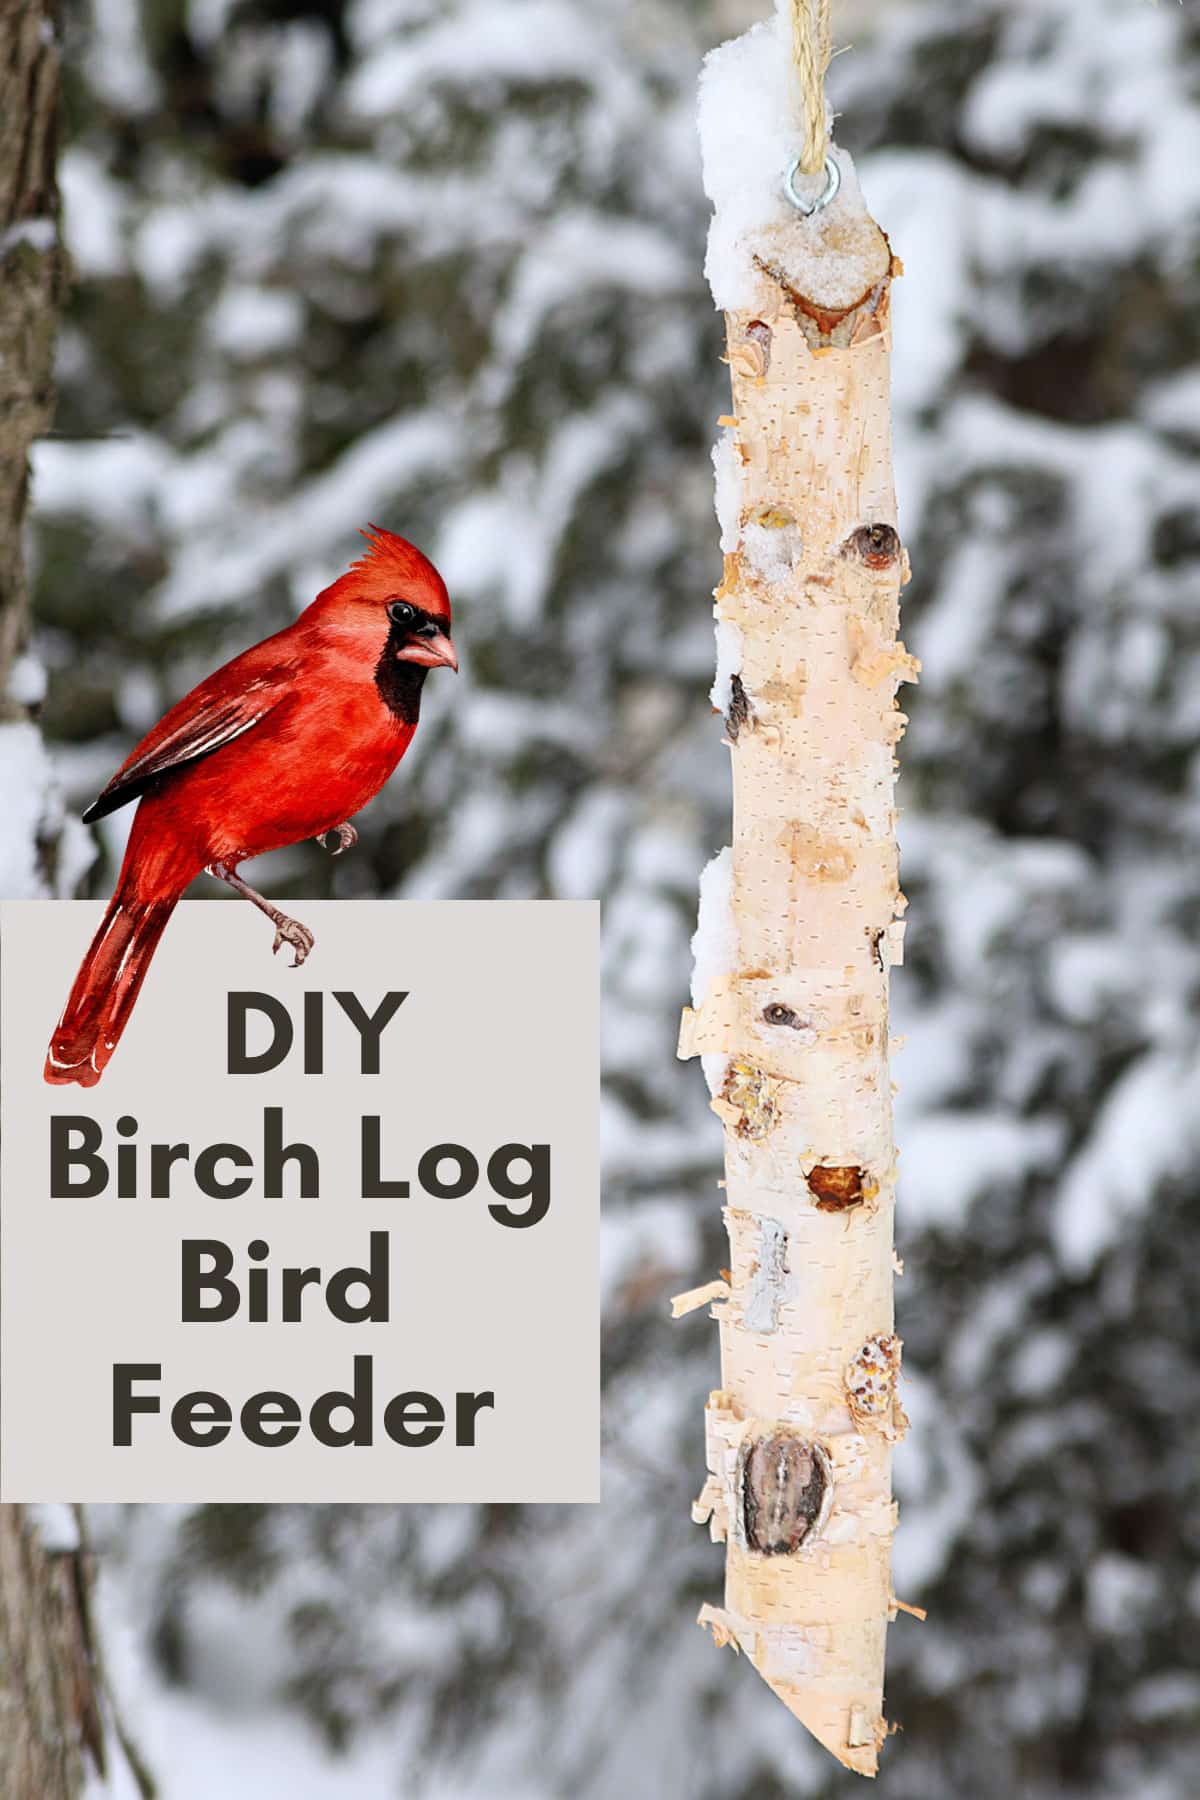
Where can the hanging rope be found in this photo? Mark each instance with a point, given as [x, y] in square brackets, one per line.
[811, 48]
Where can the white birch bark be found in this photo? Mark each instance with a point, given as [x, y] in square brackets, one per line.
[794, 1017]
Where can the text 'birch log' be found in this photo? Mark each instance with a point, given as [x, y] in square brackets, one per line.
[799, 922]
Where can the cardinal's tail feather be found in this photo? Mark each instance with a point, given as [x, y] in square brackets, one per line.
[105, 988]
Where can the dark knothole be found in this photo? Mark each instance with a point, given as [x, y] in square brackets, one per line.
[878, 546]
[785, 1481]
[739, 708]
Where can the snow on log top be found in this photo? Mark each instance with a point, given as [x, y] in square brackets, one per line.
[749, 135]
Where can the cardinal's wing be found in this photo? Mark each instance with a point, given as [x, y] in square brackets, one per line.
[231, 702]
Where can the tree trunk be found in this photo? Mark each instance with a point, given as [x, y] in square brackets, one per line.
[798, 929]
[32, 271]
[49, 1717]
[41, 851]
[47, 1704]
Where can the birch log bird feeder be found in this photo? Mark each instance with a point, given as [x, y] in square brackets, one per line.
[800, 919]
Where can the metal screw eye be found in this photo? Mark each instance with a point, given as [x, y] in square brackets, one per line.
[833, 181]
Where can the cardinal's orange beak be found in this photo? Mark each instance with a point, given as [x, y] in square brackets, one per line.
[432, 652]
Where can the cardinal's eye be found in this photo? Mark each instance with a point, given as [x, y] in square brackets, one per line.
[401, 613]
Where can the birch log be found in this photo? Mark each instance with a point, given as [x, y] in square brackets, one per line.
[797, 933]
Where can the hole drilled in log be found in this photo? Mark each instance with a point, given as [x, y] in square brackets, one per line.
[779, 1014]
[786, 1483]
[837, 1189]
[739, 713]
[772, 518]
[760, 332]
[750, 356]
[878, 546]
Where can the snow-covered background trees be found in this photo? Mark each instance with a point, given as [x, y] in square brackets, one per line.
[439, 265]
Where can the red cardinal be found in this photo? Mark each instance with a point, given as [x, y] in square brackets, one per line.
[285, 742]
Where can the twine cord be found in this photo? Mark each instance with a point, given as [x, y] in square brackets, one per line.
[811, 50]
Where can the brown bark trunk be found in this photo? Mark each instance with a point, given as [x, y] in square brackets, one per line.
[48, 1713]
[32, 279]
[49, 1720]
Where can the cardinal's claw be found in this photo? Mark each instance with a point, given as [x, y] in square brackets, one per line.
[347, 837]
[290, 931]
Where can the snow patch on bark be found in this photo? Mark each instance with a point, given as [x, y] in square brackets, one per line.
[714, 946]
[727, 470]
[714, 943]
[729, 664]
